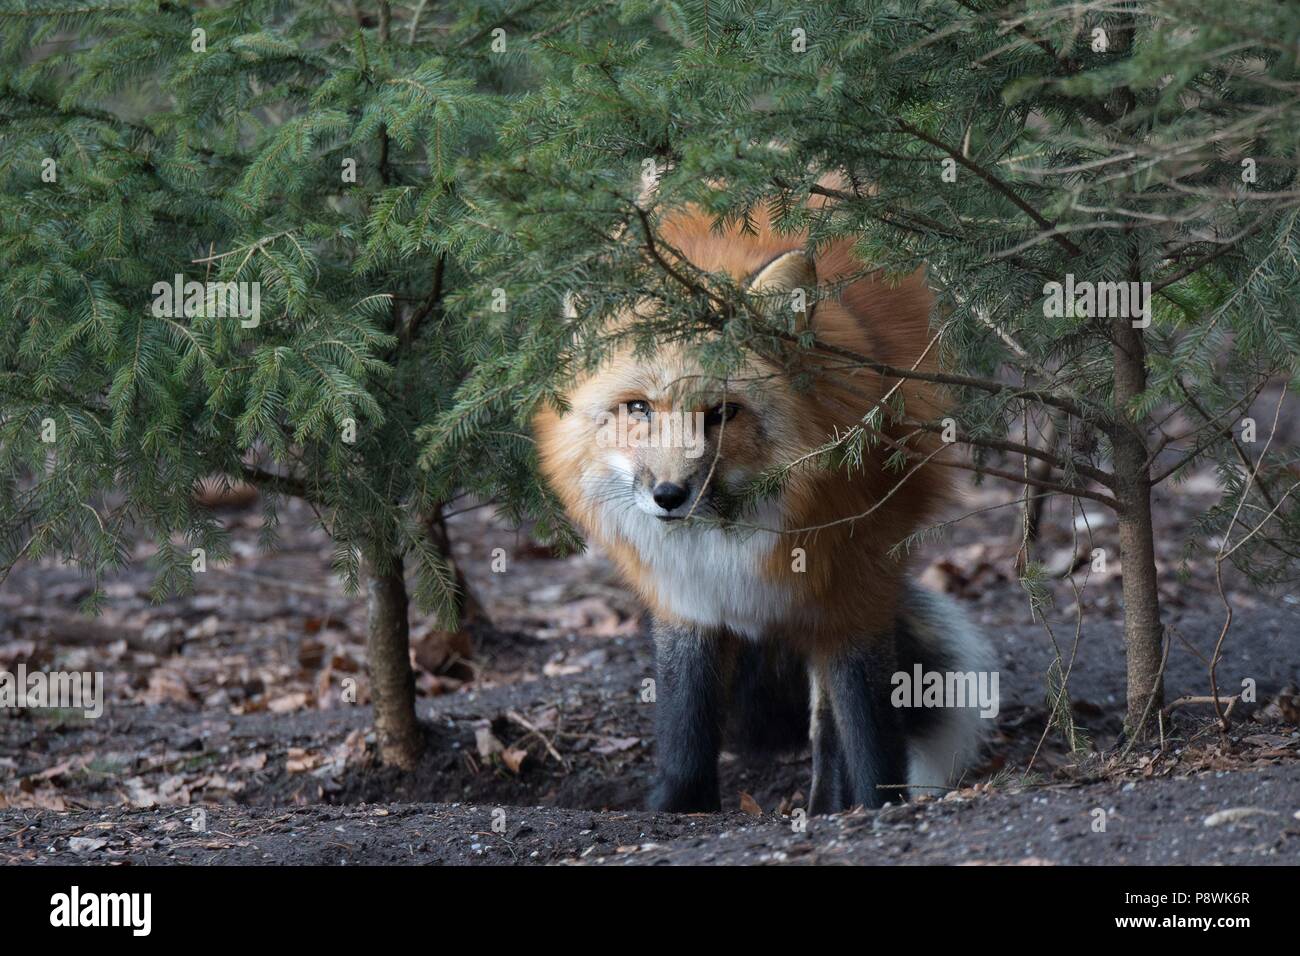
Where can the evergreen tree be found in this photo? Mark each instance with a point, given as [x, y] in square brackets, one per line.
[311, 154]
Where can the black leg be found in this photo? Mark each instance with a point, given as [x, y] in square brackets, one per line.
[857, 683]
[829, 792]
[688, 719]
[767, 699]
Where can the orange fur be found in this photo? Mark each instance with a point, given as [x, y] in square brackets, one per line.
[850, 584]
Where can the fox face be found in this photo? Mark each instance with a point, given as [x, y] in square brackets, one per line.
[673, 444]
[666, 442]
[651, 459]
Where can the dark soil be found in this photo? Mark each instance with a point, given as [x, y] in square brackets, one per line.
[1144, 824]
[235, 701]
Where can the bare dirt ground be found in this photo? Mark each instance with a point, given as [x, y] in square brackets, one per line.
[229, 735]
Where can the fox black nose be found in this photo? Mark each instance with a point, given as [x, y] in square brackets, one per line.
[668, 496]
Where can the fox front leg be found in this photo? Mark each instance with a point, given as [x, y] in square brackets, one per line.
[829, 792]
[856, 682]
[688, 718]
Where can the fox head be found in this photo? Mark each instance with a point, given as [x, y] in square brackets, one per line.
[651, 439]
[666, 439]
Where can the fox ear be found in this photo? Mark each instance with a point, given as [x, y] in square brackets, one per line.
[792, 273]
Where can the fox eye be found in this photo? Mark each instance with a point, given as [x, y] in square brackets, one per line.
[720, 413]
[638, 409]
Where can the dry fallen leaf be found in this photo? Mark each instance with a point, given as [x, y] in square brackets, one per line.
[1285, 706]
[613, 745]
[45, 798]
[252, 762]
[141, 794]
[167, 686]
[558, 668]
[513, 759]
[287, 703]
[49, 773]
[1236, 815]
[438, 651]
[486, 741]
[300, 761]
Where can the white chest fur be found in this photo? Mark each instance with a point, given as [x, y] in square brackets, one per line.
[707, 575]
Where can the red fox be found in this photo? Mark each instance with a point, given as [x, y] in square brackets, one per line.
[787, 626]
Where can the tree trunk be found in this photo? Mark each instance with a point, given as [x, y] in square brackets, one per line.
[468, 608]
[1031, 517]
[392, 685]
[1143, 633]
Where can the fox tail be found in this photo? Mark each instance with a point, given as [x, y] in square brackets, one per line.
[934, 631]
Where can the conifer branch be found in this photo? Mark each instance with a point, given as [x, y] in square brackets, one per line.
[1043, 223]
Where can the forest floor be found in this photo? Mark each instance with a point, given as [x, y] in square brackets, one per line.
[228, 737]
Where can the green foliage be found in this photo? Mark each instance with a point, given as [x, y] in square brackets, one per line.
[423, 302]
[221, 157]
[1003, 149]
